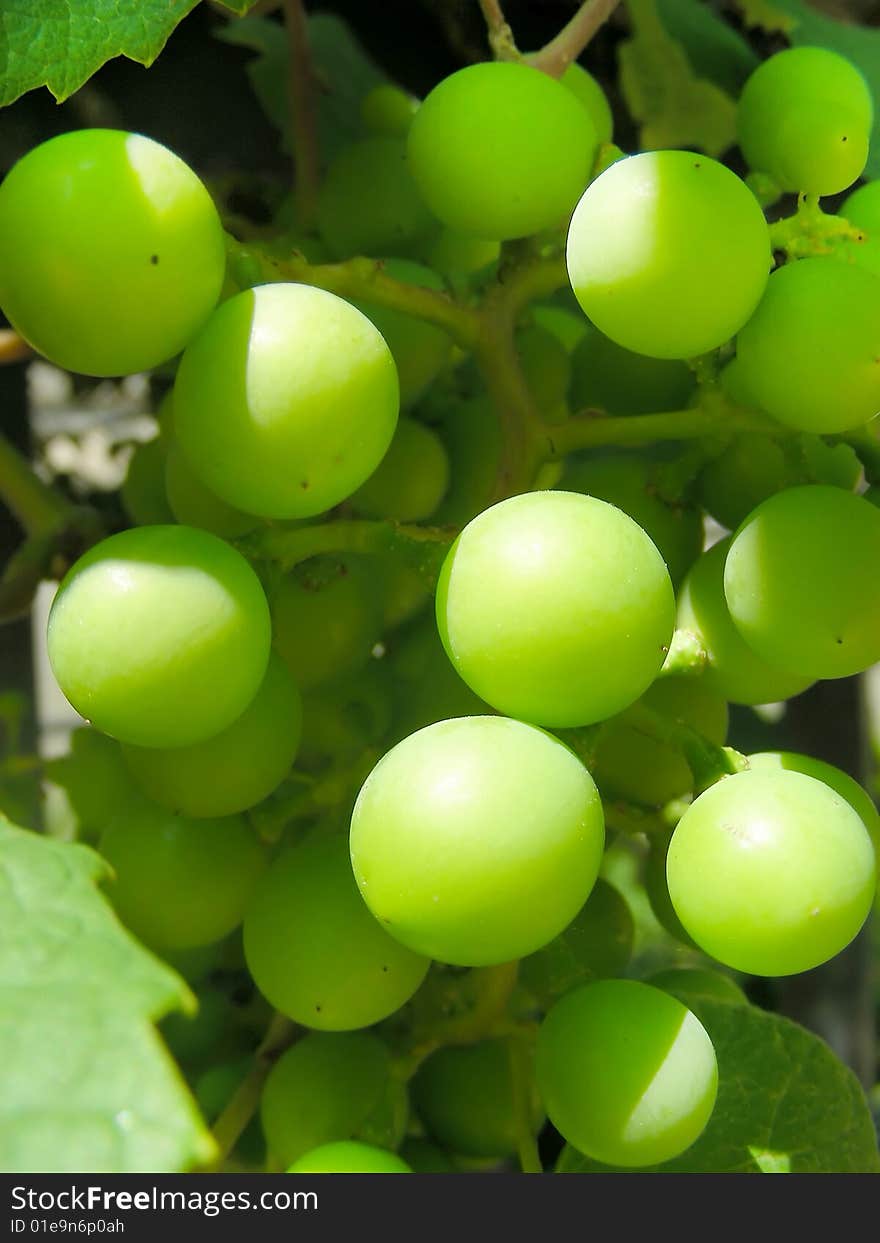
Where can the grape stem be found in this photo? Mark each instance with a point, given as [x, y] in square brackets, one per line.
[591, 428]
[686, 656]
[301, 101]
[501, 39]
[707, 760]
[555, 57]
[241, 1108]
[423, 549]
[13, 348]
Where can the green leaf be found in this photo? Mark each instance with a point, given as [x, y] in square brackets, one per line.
[671, 104]
[344, 70]
[715, 50]
[768, 15]
[85, 1082]
[785, 1104]
[61, 43]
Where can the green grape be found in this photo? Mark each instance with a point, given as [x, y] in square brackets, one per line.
[344, 717]
[419, 349]
[236, 768]
[264, 412]
[165, 418]
[143, 493]
[587, 90]
[455, 255]
[627, 1073]
[471, 432]
[749, 470]
[477, 133]
[464, 1095]
[809, 352]
[321, 1089]
[180, 882]
[657, 889]
[698, 982]
[388, 110]
[477, 840]
[546, 365]
[628, 481]
[111, 251]
[326, 617]
[405, 592]
[426, 687]
[160, 635]
[631, 765]
[95, 778]
[314, 949]
[216, 1086]
[410, 481]
[369, 203]
[423, 1157]
[808, 554]
[193, 1038]
[568, 328]
[349, 1158]
[805, 118]
[537, 618]
[862, 207]
[386, 1124]
[196, 506]
[668, 253]
[598, 942]
[608, 377]
[839, 781]
[771, 872]
[733, 670]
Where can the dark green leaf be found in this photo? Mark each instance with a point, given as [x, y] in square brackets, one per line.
[715, 50]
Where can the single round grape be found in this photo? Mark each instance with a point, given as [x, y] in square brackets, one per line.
[698, 982]
[425, 686]
[236, 768]
[568, 327]
[143, 493]
[349, 1158]
[455, 255]
[111, 251]
[631, 765]
[657, 888]
[809, 352]
[668, 253]
[160, 635]
[587, 90]
[178, 882]
[477, 840]
[598, 942]
[419, 350]
[268, 418]
[771, 872]
[370, 204]
[844, 785]
[608, 377]
[538, 619]
[405, 592]
[627, 1073]
[804, 117]
[321, 1089]
[465, 1098]
[326, 617]
[480, 129]
[315, 951]
[215, 1087]
[410, 481]
[733, 670]
[808, 555]
[627, 480]
[546, 365]
[862, 207]
[95, 779]
[749, 470]
[196, 506]
[388, 110]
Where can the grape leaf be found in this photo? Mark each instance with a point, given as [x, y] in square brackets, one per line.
[344, 70]
[85, 1082]
[715, 50]
[61, 43]
[785, 1104]
[671, 104]
[768, 15]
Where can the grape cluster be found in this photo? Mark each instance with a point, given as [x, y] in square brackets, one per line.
[368, 818]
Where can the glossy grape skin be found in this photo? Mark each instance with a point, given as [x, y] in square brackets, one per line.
[627, 1073]
[370, 204]
[410, 481]
[525, 120]
[315, 951]
[236, 768]
[771, 872]
[143, 492]
[627, 480]
[809, 352]
[195, 505]
[630, 765]
[589, 93]
[734, 670]
[477, 840]
[111, 251]
[608, 377]
[538, 619]
[349, 1157]
[326, 617]
[160, 635]
[698, 982]
[804, 118]
[464, 1097]
[261, 389]
[668, 253]
[808, 554]
[179, 882]
[320, 1090]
